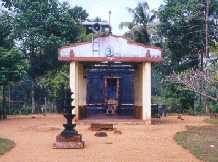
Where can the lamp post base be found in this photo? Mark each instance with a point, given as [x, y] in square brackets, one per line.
[74, 142]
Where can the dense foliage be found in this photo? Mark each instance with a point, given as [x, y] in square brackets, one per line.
[38, 29]
[13, 64]
[182, 26]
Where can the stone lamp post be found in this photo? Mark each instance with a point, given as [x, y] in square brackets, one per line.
[69, 138]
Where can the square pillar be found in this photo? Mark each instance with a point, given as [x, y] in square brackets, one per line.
[138, 91]
[74, 86]
[77, 86]
[146, 91]
[82, 92]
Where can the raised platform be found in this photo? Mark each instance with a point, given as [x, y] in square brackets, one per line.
[115, 119]
[69, 142]
[101, 127]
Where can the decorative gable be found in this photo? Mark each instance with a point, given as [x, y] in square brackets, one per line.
[110, 48]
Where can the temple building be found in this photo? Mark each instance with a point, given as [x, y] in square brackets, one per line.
[111, 76]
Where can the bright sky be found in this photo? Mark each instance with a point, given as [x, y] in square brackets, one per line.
[118, 8]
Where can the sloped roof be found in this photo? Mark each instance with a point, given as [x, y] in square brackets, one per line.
[110, 48]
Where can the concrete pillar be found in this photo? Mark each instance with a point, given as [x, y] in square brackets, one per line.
[138, 86]
[146, 91]
[82, 90]
[78, 86]
[138, 91]
[74, 86]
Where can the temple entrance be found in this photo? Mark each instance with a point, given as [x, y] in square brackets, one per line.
[110, 89]
[113, 79]
[111, 94]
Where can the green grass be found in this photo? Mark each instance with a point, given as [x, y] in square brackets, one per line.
[198, 140]
[5, 145]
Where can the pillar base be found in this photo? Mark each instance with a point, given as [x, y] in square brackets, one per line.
[147, 121]
[74, 142]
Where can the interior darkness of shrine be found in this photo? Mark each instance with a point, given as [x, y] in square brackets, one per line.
[110, 81]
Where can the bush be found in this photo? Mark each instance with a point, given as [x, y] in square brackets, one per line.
[157, 100]
[214, 107]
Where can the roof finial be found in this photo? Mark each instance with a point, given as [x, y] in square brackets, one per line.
[109, 17]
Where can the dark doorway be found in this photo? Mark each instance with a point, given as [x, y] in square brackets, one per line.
[110, 83]
[112, 88]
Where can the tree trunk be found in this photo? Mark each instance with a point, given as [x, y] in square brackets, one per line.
[46, 105]
[25, 103]
[4, 112]
[9, 100]
[33, 98]
[206, 105]
[1, 107]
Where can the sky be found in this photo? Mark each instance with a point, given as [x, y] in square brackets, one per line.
[118, 9]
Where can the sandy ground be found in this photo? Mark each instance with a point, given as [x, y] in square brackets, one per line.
[137, 143]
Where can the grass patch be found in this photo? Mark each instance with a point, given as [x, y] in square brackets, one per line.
[200, 141]
[5, 145]
[212, 121]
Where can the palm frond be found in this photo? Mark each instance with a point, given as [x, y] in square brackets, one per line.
[126, 24]
[130, 10]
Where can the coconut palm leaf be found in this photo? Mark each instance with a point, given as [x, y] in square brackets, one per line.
[129, 25]
[141, 24]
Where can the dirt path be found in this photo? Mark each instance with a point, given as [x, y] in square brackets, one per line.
[137, 143]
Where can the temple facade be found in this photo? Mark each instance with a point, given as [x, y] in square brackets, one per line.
[111, 76]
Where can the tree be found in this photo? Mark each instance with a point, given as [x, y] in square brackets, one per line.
[182, 24]
[203, 82]
[56, 82]
[40, 28]
[13, 65]
[78, 14]
[198, 81]
[139, 27]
